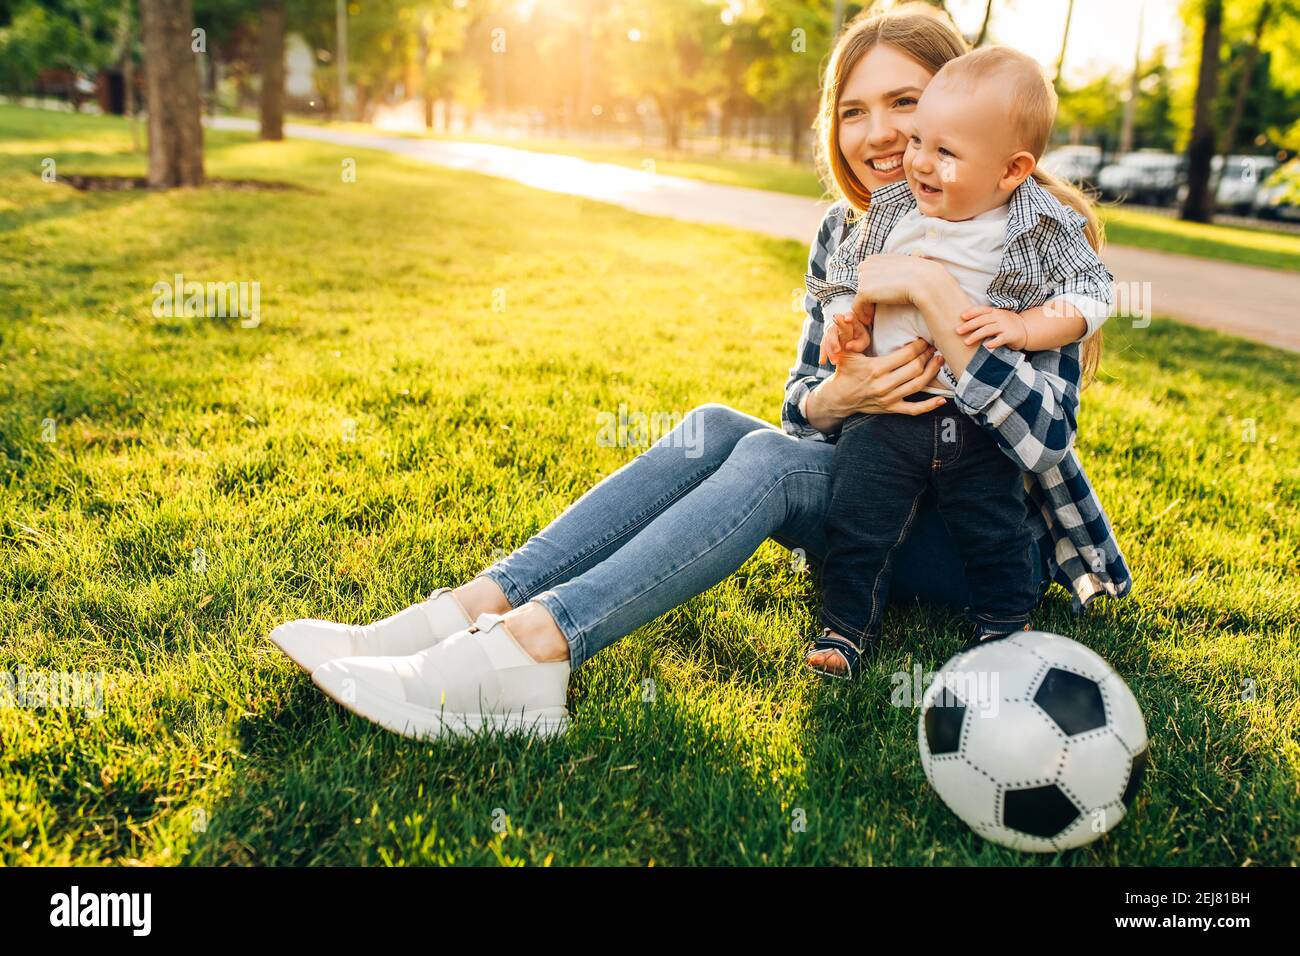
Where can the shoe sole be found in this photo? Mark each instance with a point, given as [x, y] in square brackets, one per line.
[421, 723]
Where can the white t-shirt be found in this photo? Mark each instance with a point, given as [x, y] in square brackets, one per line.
[972, 251]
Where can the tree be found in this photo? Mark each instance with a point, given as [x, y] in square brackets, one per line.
[1199, 205]
[1229, 140]
[984, 27]
[172, 94]
[72, 36]
[1065, 39]
[785, 77]
[271, 109]
[670, 58]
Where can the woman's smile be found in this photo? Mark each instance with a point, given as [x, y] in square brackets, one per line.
[887, 166]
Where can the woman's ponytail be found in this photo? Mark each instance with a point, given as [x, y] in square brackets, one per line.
[1070, 195]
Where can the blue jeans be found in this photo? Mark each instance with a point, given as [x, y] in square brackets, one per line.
[686, 513]
[884, 467]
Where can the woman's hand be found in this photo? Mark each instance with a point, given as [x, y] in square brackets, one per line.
[881, 383]
[895, 279]
[873, 384]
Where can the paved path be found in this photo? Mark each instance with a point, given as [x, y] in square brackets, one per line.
[1256, 303]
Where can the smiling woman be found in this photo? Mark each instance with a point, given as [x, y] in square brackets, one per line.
[872, 83]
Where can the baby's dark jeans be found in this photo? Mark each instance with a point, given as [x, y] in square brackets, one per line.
[884, 465]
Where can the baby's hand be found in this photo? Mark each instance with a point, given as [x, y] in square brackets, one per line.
[994, 326]
[844, 333]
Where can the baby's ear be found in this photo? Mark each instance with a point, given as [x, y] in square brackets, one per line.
[1018, 169]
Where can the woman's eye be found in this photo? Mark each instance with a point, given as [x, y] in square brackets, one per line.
[850, 112]
[905, 101]
[916, 141]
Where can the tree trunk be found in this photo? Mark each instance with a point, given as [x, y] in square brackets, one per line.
[272, 66]
[984, 27]
[796, 134]
[426, 86]
[172, 94]
[672, 123]
[1134, 87]
[1199, 206]
[1065, 39]
[213, 76]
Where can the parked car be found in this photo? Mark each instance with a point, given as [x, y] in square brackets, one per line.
[1147, 176]
[1279, 196]
[1239, 182]
[1075, 164]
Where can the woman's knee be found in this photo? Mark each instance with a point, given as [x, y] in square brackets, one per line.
[767, 451]
[714, 429]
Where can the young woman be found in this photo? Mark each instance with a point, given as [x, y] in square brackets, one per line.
[668, 526]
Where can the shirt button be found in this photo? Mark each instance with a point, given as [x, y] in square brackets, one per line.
[932, 234]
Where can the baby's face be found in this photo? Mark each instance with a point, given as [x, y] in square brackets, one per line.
[957, 156]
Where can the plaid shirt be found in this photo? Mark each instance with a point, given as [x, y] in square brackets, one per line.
[1027, 401]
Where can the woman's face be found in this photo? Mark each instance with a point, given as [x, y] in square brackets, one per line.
[874, 113]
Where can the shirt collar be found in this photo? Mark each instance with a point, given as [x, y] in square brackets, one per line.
[1031, 202]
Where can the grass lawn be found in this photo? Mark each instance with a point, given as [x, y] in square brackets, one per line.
[1129, 227]
[384, 431]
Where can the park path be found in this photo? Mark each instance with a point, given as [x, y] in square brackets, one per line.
[1250, 301]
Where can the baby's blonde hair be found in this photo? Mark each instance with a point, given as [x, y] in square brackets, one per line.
[1032, 115]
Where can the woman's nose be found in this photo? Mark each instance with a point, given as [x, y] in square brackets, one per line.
[882, 134]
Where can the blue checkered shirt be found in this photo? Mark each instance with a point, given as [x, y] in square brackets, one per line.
[1027, 401]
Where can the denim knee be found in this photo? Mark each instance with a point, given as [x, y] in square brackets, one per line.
[714, 429]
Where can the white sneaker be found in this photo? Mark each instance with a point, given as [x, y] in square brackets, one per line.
[476, 678]
[310, 643]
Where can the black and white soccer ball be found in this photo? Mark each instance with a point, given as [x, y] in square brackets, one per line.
[1034, 741]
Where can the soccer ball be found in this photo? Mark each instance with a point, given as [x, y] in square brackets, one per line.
[1034, 741]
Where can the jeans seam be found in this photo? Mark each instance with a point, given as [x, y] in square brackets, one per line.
[876, 612]
[582, 634]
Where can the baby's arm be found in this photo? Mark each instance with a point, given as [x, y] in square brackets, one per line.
[1052, 325]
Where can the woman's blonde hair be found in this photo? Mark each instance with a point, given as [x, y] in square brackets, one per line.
[1032, 113]
[915, 29]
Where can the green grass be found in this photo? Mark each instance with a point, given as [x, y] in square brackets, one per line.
[1253, 247]
[473, 428]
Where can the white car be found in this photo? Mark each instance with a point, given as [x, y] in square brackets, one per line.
[1239, 182]
[1147, 176]
[1075, 164]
